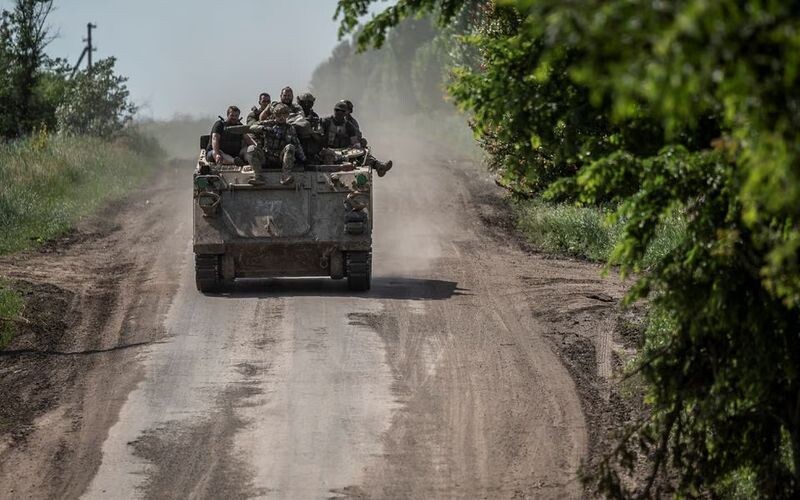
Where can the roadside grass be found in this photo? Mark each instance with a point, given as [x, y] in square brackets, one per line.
[47, 183]
[11, 304]
[586, 232]
[50, 182]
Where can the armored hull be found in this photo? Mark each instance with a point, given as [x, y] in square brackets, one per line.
[320, 225]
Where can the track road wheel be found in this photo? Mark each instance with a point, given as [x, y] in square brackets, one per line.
[207, 273]
[359, 271]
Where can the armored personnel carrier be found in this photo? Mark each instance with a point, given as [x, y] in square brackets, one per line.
[321, 225]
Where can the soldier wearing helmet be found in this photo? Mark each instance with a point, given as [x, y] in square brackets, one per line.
[337, 132]
[306, 102]
[279, 146]
[352, 119]
[345, 107]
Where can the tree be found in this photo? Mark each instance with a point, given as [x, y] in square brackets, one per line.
[684, 106]
[23, 37]
[396, 80]
[97, 103]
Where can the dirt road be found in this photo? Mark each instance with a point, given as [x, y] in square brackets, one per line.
[444, 381]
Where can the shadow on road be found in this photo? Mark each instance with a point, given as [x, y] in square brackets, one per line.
[382, 288]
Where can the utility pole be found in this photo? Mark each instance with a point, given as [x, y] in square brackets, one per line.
[86, 50]
[89, 49]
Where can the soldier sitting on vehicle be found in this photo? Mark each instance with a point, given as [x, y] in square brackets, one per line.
[263, 101]
[279, 147]
[306, 102]
[352, 119]
[339, 132]
[307, 127]
[227, 148]
[287, 96]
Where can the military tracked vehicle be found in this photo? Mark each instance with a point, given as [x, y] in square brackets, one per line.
[321, 225]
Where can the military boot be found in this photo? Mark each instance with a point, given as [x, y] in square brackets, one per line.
[256, 157]
[287, 162]
[382, 168]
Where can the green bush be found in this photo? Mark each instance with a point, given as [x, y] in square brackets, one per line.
[663, 108]
[97, 102]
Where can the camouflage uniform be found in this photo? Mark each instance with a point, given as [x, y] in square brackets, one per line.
[252, 117]
[255, 111]
[352, 119]
[278, 147]
[306, 103]
[337, 135]
[378, 165]
[293, 109]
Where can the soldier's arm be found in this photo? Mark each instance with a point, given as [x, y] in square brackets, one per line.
[215, 146]
[353, 132]
[260, 127]
[301, 155]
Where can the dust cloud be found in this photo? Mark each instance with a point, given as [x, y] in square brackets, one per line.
[417, 203]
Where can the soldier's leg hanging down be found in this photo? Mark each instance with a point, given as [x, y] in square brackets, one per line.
[287, 164]
[257, 159]
[380, 167]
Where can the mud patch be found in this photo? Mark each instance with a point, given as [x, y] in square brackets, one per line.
[630, 327]
[369, 320]
[220, 474]
[30, 385]
[578, 355]
[249, 370]
[270, 311]
[350, 492]
[607, 403]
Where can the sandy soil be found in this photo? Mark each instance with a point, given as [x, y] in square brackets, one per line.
[474, 368]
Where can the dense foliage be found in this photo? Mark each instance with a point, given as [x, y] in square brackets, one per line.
[26, 89]
[38, 93]
[665, 107]
[97, 103]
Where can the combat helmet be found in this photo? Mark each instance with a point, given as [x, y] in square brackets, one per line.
[341, 106]
[306, 97]
[280, 109]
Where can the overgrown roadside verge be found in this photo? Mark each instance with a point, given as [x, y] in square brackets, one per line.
[50, 183]
[587, 232]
